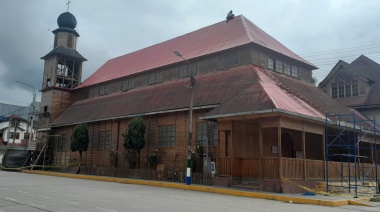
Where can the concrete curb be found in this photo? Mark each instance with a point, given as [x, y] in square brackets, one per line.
[269, 196]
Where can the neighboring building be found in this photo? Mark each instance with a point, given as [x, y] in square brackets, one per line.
[355, 85]
[266, 119]
[14, 131]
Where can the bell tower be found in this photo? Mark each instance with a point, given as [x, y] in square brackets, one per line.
[62, 70]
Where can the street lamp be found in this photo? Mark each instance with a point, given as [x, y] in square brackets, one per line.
[31, 117]
[192, 84]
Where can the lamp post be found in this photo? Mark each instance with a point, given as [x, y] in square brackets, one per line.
[31, 117]
[192, 84]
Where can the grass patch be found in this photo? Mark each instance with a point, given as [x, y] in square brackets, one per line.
[375, 199]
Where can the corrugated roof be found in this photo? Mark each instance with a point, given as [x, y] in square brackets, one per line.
[173, 95]
[240, 89]
[215, 38]
[72, 53]
[369, 71]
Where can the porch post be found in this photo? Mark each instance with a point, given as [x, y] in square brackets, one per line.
[261, 149]
[324, 153]
[279, 152]
[304, 151]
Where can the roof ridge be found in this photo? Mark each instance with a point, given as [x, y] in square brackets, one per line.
[246, 28]
[290, 91]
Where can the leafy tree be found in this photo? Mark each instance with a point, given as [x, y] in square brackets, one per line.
[80, 139]
[134, 138]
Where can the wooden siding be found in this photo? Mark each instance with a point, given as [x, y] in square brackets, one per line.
[172, 158]
[246, 140]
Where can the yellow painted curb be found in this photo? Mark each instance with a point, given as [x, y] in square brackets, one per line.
[355, 202]
[268, 196]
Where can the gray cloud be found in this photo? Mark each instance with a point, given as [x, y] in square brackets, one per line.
[113, 28]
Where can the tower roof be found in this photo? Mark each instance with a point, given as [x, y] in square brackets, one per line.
[211, 39]
[66, 23]
[67, 19]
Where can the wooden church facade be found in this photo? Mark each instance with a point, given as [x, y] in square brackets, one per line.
[267, 118]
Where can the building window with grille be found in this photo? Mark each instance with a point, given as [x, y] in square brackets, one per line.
[166, 136]
[295, 71]
[70, 39]
[344, 89]
[222, 62]
[104, 142]
[103, 90]
[207, 132]
[233, 60]
[279, 66]
[62, 143]
[270, 63]
[14, 135]
[127, 84]
[155, 78]
[286, 69]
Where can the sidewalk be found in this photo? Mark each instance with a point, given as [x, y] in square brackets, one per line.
[291, 198]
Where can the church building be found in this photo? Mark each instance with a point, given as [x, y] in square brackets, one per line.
[254, 110]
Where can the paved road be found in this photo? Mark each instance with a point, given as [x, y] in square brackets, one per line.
[32, 193]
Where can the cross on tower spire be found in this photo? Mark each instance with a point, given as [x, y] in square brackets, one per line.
[68, 5]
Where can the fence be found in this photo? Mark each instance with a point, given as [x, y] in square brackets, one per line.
[145, 174]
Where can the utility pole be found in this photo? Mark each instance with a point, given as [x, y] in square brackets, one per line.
[31, 115]
[192, 84]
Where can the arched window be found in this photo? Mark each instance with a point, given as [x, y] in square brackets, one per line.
[287, 146]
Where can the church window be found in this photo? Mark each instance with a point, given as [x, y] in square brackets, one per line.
[166, 136]
[155, 78]
[70, 41]
[286, 68]
[186, 70]
[62, 143]
[270, 63]
[103, 90]
[104, 142]
[295, 71]
[279, 66]
[48, 83]
[233, 60]
[207, 132]
[127, 84]
[55, 40]
[222, 62]
[84, 94]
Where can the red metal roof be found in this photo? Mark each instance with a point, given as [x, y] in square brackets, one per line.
[215, 38]
[238, 90]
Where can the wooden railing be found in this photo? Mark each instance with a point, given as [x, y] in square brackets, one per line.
[315, 169]
[270, 168]
[247, 167]
[292, 168]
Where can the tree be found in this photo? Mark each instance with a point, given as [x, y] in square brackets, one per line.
[134, 139]
[80, 139]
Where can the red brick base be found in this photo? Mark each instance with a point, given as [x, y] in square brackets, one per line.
[223, 181]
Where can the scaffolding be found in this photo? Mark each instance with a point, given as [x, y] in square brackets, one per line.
[351, 152]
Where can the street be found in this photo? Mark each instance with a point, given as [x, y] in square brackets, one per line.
[20, 192]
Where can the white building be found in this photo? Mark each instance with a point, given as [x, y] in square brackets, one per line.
[14, 131]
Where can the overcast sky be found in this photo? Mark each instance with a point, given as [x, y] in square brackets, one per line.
[321, 31]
